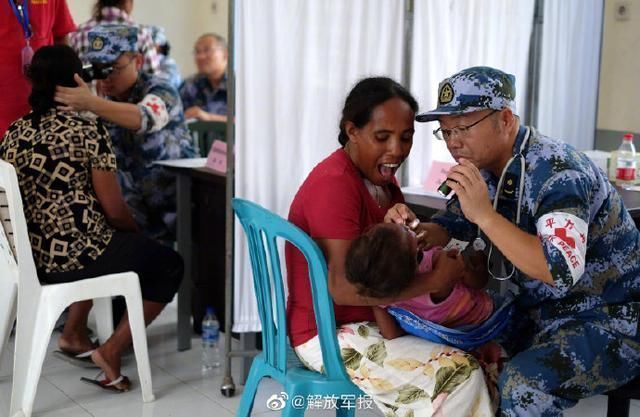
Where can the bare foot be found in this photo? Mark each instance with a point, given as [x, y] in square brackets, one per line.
[109, 363]
[75, 344]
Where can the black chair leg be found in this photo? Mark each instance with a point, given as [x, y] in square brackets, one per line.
[618, 407]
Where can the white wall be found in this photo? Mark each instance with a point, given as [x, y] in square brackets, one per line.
[619, 93]
[183, 20]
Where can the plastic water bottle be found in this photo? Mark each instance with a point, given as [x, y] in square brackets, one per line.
[626, 162]
[210, 341]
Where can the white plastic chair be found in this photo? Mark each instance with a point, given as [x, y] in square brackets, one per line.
[39, 306]
[9, 285]
[8, 275]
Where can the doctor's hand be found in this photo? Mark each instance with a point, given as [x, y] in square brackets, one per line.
[472, 192]
[78, 98]
[401, 214]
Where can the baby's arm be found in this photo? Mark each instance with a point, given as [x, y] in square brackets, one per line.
[475, 272]
[389, 329]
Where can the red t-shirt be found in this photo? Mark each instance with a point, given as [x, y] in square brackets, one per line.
[332, 203]
[50, 19]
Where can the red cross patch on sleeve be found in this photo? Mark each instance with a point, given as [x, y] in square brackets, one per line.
[568, 234]
[158, 111]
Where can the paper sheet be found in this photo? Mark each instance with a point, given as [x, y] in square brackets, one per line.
[184, 163]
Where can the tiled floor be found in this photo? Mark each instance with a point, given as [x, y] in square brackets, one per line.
[180, 388]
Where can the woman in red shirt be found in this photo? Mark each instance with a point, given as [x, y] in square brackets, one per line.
[343, 195]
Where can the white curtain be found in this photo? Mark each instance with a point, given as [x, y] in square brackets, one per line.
[450, 35]
[295, 62]
[569, 70]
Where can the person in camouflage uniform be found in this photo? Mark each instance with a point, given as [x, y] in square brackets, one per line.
[146, 122]
[205, 94]
[168, 67]
[571, 248]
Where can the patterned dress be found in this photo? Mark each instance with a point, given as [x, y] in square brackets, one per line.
[148, 189]
[578, 337]
[53, 158]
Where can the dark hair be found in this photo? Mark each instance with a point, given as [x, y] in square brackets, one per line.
[379, 264]
[51, 66]
[164, 49]
[366, 95]
[97, 8]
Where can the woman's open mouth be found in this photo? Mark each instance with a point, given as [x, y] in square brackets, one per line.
[388, 170]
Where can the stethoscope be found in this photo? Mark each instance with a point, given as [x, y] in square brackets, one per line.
[479, 243]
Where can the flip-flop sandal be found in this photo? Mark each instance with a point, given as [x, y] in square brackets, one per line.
[108, 385]
[82, 360]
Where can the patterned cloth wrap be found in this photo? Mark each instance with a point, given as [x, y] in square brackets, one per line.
[108, 42]
[473, 89]
[465, 337]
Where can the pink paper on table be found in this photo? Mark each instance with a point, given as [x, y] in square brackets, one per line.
[437, 174]
[217, 158]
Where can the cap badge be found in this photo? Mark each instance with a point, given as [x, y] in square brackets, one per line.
[97, 44]
[446, 94]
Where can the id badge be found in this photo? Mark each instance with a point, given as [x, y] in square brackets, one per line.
[27, 55]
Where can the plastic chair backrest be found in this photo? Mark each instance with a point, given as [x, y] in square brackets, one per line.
[28, 274]
[8, 265]
[5, 221]
[262, 228]
[204, 133]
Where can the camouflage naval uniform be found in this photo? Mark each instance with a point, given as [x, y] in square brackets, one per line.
[148, 189]
[579, 337]
[168, 67]
[198, 91]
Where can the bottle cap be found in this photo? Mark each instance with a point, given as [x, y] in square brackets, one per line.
[628, 136]
[210, 310]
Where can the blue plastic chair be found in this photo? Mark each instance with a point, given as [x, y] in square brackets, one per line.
[262, 228]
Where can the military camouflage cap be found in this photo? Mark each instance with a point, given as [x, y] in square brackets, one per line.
[473, 89]
[108, 42]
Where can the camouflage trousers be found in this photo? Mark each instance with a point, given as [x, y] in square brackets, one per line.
[570, 360]
[151, 196]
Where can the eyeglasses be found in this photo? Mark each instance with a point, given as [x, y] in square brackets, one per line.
[117, 69]
[458, 131]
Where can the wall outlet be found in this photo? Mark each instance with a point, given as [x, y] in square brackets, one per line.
[622, 10]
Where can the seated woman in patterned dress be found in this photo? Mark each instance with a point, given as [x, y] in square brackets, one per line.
[79, 225]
